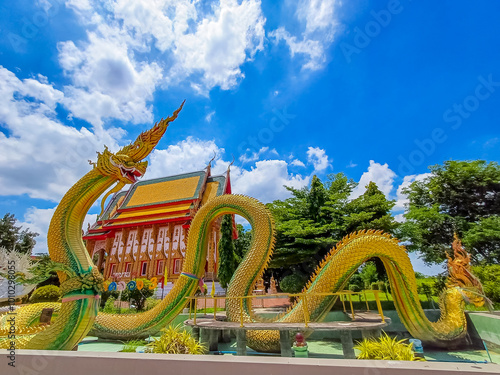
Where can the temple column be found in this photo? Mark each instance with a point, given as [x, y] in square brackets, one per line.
[168, 251]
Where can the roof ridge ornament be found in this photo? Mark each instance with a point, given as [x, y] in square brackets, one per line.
[232, 162]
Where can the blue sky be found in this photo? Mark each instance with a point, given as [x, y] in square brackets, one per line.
[378, 90]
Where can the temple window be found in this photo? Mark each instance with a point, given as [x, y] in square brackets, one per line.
[159, 267]
[177, 266]
[144, 268]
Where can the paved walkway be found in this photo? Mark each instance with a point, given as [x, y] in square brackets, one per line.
[317, 349]
[264, 302]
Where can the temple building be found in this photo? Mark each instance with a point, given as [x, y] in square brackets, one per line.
[143, 231]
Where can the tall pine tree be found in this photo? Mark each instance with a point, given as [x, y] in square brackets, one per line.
[13, 238]
[302, 229]
[227, 261]
[371, 210]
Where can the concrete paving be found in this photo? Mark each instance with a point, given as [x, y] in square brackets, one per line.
[317, 349]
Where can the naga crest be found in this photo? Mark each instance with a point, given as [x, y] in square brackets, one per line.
[126, 165]
[461, 276]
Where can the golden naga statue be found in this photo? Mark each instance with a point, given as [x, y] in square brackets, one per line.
[81, 283]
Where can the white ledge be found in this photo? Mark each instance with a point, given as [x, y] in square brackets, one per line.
[89, 363]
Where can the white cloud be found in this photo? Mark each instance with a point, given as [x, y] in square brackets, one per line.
[318, 16]
[106, 81]
[38, 220]
[253, 156]
[188, 155]
[208, 117]
[381, 174]
[264, 181]
[401, 198]
[400, 218]
[312, 49]
[318, 158]
[490, 143]
[221, 43]
[351, 165]
[40, 156]
[318, 21]
[79, 4]
[297, 163]
[188, 41]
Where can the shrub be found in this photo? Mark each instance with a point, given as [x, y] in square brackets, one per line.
[109, 307]
[368, 274]
[386, 348]
[356, 280]
[132, 345]
[382, 286]
[428, 286]
[293, 283]
[175, 341]
[354, 288]
[374, 286]
[138, 297]
[427, 290]
[151, 302]
[439, 285]
[47, 293]
[107, 294]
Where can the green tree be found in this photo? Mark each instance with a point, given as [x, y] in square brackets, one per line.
[13, 238]
[242, 243]
[137, 296]
[368, 274]
[293, 283]
[43, 261]
[309, 223]
[490, 278]
[461, 197]
[371, 210]
[227, 260]
[483, 237]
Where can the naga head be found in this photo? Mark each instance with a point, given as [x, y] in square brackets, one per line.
[120, 166]
[127, 165]
[461, 276]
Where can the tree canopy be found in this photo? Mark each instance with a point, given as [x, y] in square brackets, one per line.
[315, 218]
[371, 210]
[461, 197]
[12, 237]
[304, 229]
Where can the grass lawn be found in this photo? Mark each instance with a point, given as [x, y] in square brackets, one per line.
[387, 303]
